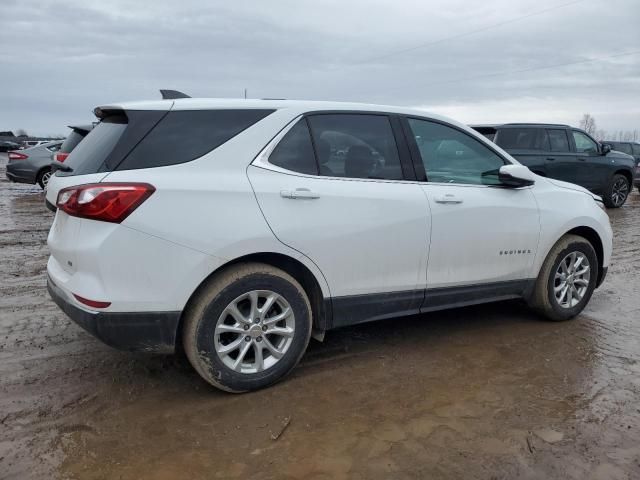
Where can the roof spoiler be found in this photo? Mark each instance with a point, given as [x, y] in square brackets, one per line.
[173, 94]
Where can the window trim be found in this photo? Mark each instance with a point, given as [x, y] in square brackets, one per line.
[421, 174]
[406, 164]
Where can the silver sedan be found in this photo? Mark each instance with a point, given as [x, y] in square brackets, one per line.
[32, 165]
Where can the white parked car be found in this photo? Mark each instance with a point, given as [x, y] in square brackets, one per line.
[235, 228]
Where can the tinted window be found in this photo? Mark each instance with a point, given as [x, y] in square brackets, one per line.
[71, 141]
[295, 151]
[584, 144]
[636, 148]
[89, 154]
[521, 138]
[558, 140]
[624, 148]
[185, 135]
[451, 156]
[355, 146]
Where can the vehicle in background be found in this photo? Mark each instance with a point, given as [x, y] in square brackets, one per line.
[630, 148]
[6, 145]
[78, 132]
[34, 143]
[234, 228]
[568, 154]
[32, 165]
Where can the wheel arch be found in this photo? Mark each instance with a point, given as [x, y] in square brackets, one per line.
[594, 239]
[320, 306]
[628, 175]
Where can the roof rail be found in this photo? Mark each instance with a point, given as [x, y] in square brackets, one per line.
[172, 94]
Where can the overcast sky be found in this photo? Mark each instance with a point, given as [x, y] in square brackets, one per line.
[477, 61]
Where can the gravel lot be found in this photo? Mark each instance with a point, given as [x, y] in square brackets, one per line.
[481, 392]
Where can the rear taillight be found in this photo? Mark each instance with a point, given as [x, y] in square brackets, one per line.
[60, 157]
[107, 202]
[17, 156]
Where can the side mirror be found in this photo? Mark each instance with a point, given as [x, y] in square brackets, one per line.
[605, 148]
[516, 176]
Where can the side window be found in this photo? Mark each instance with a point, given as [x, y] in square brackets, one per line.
[451, 156]
[521, 138]
[295, 150]
[355, 146]
[636, 148]
[625, 148]
[584, 144]
[558, 140]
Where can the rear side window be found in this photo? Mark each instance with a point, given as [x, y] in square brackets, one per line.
[624, 148]
[522, 139]
[558, 140]
[71, 141]
[295, 151]
[184, 135]
[355, 146]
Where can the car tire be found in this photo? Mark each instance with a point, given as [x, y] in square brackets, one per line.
[546, 299]
[617, 191]
[43, 177]
[227, 319]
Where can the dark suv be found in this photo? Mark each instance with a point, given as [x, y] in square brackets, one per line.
[569, 154]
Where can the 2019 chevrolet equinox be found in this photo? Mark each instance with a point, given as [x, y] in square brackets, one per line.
[240, 228]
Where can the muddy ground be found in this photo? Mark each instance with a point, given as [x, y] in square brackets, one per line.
[485, 392]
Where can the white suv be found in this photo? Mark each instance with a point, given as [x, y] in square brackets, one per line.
[240, 228]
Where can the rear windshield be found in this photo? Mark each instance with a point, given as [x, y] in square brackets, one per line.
[71, 141]
[146, 139]
[91, 153]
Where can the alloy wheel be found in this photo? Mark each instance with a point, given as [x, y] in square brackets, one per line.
[619, 192]
[571, 280]
[254, 331]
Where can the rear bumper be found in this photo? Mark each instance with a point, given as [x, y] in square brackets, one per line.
[153, 332]
[15, 174]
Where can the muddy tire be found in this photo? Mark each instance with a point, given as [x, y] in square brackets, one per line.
[617, 191]
[567, 279]
[43, 177]
[247, 328]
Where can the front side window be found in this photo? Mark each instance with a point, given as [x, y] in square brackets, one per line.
[452, 156]
[636, 148]
[295, 150]
[584, 144]
[558, 140]
[355, 146]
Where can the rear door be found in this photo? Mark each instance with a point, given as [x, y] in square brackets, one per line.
[336, 188]
[562, 162]
[481, 233]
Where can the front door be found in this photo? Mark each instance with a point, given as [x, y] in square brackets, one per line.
[481, 232]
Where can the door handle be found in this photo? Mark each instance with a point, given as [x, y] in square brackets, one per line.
[299, 193]
[448, 198]
[582, 159]
[551, 159]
